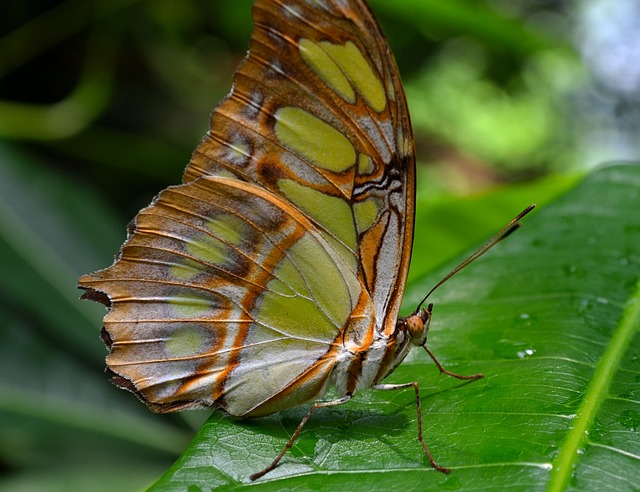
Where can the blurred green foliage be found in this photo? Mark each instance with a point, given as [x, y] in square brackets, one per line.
[101, 105]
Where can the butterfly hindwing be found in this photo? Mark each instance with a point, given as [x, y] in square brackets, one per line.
[219, 298]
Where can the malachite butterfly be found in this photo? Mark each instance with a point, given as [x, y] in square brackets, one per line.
[278, 267]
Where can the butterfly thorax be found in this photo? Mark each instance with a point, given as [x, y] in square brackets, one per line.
[360, 367]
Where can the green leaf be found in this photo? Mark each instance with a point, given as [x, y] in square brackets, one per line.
[550, 316]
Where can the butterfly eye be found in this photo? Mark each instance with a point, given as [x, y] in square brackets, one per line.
[417, 329]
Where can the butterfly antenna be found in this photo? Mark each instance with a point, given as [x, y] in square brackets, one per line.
[503, 233]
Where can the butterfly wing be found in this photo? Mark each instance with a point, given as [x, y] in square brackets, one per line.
[318, 115]
[213, 294]
[294, 224]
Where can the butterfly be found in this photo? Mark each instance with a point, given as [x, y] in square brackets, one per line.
[277, 268]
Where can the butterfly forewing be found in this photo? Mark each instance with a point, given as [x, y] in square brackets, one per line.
[291, 237]
[318, 114]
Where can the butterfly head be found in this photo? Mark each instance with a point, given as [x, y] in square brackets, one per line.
[417, 325]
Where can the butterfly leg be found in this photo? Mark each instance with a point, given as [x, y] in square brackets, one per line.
[388, 387]
[442, 369]
[295, 435]
[449, 373]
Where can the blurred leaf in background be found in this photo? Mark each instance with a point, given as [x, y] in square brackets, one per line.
[103, 101]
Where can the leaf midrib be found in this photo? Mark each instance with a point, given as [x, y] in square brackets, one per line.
[563, 465]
